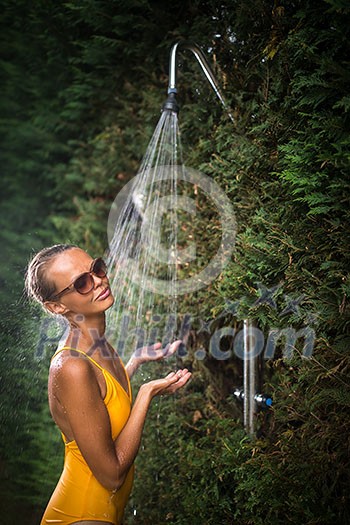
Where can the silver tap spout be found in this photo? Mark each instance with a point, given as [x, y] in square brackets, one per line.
[204, 65]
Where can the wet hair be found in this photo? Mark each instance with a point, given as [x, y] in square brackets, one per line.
[37, 285]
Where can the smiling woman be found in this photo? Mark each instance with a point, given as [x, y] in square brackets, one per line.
[89, 390]
[85, 283]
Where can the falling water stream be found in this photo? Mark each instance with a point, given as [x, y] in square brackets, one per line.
[149, 233]
[144, 256]
[150, 229]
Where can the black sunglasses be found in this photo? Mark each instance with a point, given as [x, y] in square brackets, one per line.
[84, 284]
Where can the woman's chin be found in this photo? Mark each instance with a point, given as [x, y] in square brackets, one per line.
[109, 301]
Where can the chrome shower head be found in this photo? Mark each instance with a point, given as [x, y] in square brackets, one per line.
[171, 104]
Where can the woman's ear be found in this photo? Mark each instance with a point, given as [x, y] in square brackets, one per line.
[56, 308]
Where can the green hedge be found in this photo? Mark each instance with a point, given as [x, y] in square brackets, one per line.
[85, 82]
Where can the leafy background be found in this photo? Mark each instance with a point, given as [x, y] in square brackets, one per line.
[82, 86]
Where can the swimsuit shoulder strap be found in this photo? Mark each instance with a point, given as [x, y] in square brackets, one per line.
[103, 370]
[80, 352]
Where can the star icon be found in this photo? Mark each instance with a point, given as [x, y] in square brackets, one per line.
[292, 306]
[231, 307]
[205, 326]
[266, 295]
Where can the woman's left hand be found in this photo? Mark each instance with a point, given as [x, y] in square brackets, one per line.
[153, 352]
[156, 352]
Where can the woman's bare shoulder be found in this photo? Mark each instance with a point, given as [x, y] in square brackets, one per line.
[71, 365]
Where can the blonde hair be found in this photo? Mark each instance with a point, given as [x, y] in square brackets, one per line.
[37, 284]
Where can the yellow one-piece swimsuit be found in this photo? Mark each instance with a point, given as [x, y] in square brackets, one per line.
[78, 495]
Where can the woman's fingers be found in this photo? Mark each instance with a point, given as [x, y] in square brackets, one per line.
[175, 377]
[155, 352]
[177, 381]
[168, 380]
[171, 349]
[167, 351]
[150, 352]
[182, 380]
[170, 383]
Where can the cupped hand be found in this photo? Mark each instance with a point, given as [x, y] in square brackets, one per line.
[155, 352]
[170, 384]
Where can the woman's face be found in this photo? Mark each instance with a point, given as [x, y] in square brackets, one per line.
[63, 271]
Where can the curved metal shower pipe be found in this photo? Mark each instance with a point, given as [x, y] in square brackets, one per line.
[204, 65]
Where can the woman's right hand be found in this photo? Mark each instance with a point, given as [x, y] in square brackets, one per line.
[170, 384]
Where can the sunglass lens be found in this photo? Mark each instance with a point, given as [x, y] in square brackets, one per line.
[100, 268]
[84, 284]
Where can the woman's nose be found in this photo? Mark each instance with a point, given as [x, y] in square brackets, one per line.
[97, 280]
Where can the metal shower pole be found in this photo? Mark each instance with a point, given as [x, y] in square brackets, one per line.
[249, 379]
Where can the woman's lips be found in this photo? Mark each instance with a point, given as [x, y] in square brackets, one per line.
[104, 294]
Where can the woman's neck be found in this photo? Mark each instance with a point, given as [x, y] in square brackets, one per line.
[88, 333]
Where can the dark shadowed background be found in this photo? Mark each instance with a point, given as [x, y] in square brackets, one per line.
[82, 86]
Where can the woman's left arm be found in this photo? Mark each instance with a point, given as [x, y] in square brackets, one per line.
[150, 353]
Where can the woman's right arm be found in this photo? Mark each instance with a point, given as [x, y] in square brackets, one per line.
[77, 390]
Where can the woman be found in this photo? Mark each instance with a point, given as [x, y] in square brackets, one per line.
[89, 390]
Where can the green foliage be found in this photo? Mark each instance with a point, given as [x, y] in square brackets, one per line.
[197, 465]
[84, 85]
